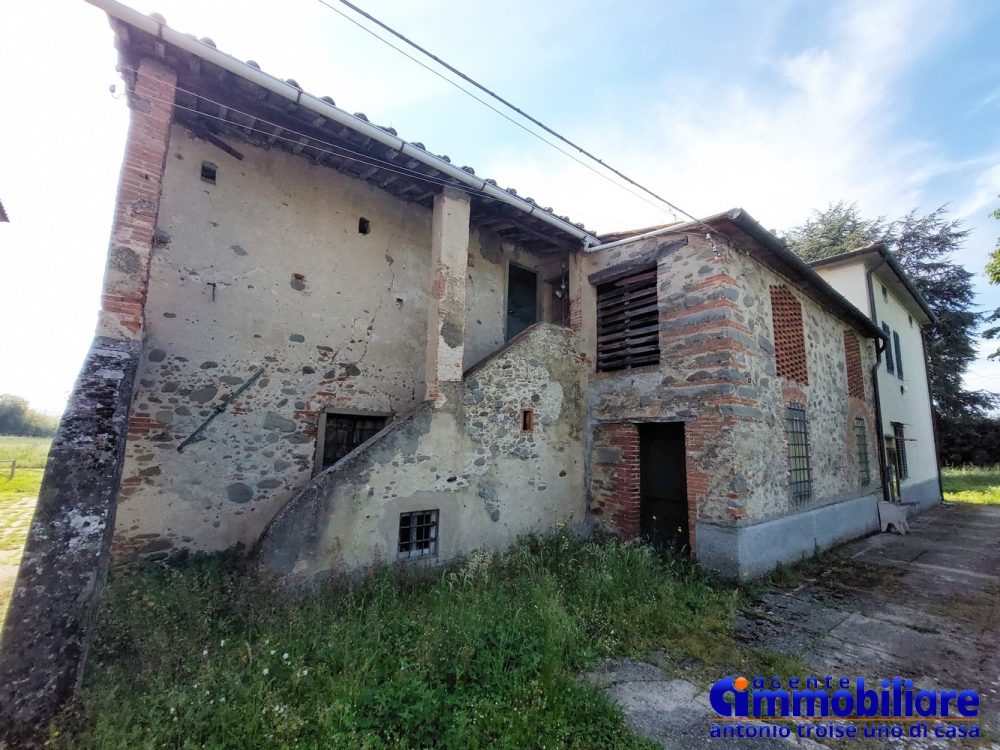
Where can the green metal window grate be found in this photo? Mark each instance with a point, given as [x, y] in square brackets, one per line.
[901, 465]
[861, 439]
[418, 534]
[799, 470]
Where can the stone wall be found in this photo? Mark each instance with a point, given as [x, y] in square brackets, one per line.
[717, 375]
[469, 459]
[47, 628]
[267, 268]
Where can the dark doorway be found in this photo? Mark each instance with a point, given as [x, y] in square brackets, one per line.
[663, 505]
[522, 299]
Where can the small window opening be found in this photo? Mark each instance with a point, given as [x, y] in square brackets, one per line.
[364, 226]
[899, 438]
[861, 442]
[342, 433]
[418, 533]
[527, 420]
[885, 293]
[208, 172]
[799, 469]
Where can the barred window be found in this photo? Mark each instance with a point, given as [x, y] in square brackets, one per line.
[339, 434]
[418, 534]
[799, 471]
[861, 441]
[899, 433]
[789, 336]
[628, 322]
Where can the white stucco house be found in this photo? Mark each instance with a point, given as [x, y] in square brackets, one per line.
[874, 282]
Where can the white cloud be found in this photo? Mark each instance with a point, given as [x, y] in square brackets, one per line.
[779, 134]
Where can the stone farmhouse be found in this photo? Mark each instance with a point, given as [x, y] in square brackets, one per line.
[329, 347]
[442, 365]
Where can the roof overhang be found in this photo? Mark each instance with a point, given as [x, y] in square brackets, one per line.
[878, 259]
[740, 228]
[220, 97]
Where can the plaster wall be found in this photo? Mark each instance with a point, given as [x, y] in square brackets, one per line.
[486, 292]
[469, 459]
[265, 268]
[907, 400]
[912, 405]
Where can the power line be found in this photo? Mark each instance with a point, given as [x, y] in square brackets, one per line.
[339, 151]
[673, 208]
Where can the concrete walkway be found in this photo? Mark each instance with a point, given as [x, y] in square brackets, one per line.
[924, 606]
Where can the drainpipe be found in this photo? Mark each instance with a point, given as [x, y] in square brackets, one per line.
[879, 348]
[934, 428]
[313, 104]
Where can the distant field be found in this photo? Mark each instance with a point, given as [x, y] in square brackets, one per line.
[17, 503]
[30, 452]
[971, 484]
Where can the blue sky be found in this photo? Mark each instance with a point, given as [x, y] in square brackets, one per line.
[777, 107]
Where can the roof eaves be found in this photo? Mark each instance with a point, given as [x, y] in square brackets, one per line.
[802, 269]
[880, 249]
[206, 50]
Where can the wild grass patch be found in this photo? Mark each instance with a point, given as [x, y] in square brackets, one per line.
[483, 654]
[972, 484]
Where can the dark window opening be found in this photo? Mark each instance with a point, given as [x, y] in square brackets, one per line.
[885, 294]
[364, 226]
[522, 300]
[628, 323]
[342, 433]
[799, 470]
[899, 435]
[861, 441]
[889, 365]
[899, 355]
[527, 420]
[418, 532]
[208, 172]
[909, 319]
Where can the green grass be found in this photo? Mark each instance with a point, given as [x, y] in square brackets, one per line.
[17, 498]
[30, 452]
[482, 655]
[972, 484]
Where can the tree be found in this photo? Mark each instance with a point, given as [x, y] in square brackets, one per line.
[993, 274]
[17, 418]
[923, 246]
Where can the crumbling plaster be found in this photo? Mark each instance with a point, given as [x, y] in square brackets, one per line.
[267, 268]
[469, 459]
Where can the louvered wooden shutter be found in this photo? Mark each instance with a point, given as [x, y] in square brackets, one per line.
[628, 322]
